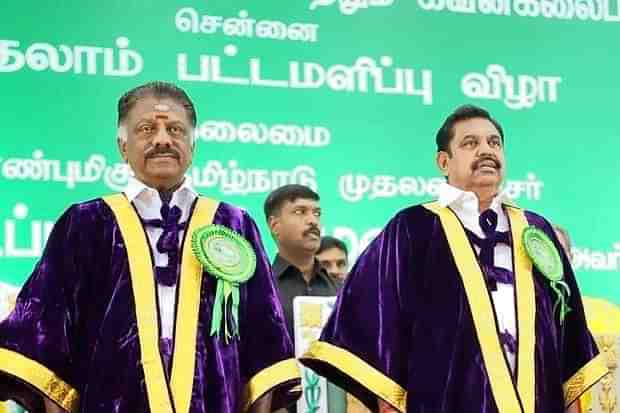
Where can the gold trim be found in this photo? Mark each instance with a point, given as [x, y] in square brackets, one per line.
[584, 378]
[607, 389]
[184, 358]
[482, 311]
[41, 378]
[143, 286]
[360, 371]
[268, 378]
[526, 311]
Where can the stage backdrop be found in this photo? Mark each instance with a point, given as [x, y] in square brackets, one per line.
[343, 96]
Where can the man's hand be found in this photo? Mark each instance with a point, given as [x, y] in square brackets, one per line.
[262, 405]
[574, 408]
[385, 407]
[51, 407]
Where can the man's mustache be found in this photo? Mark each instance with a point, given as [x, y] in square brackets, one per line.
[157, 151]
[479, 161]
[313, 230]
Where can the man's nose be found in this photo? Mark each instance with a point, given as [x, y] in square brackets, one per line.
[312, 218]
[162, 138]
[485, 148]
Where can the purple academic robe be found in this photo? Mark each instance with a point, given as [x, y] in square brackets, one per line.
[404, 328]
[74, 338]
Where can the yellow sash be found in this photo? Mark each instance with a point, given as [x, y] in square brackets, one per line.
[143, 286]
[508, 398]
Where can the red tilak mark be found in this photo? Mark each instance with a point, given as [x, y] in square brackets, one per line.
[161, 116]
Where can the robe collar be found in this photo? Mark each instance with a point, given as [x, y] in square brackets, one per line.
[449, 195]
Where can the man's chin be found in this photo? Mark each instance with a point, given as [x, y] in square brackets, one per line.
[489, 182]
[311, 246]
[163, 180]
[167, 169]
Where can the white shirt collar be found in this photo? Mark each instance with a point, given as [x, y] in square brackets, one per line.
[451, 196]
[466, 206]
[135, 188]
[148, 202]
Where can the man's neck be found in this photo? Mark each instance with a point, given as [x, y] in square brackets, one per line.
[166, 195]
[485, 197]
[165, 190]
[484, 203]
[303, 261]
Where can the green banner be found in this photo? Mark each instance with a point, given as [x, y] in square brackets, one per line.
[344, 96]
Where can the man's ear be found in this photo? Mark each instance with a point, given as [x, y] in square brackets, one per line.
[193, 138]
[121, 141]
[122, 148]
[443, 160]
[272, 223]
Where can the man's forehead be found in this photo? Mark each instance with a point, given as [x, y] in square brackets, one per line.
[161, 107]
[302, 202]
[333, 252]
[151, 107]
[475, 127]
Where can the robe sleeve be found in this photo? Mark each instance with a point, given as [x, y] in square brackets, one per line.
[364, 345]
[266, 350]
[36, 338]
[582, 364]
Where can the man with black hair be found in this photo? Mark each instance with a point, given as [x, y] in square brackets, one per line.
[153, 300]
[465, 304]
[333, 257]
[293, 215]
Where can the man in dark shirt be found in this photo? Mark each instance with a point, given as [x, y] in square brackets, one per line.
[293, 214]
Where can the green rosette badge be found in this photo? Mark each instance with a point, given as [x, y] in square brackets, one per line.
[547, 259]
[230, 258]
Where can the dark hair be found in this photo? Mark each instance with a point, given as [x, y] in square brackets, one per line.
[158, 90]
[328, 242]
[465, 112]
[290, 193]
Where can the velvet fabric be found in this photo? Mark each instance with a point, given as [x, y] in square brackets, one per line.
[404, 311]
[486, 259]
[76, 316]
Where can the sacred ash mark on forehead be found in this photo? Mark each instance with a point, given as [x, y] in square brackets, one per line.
[161, 107]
